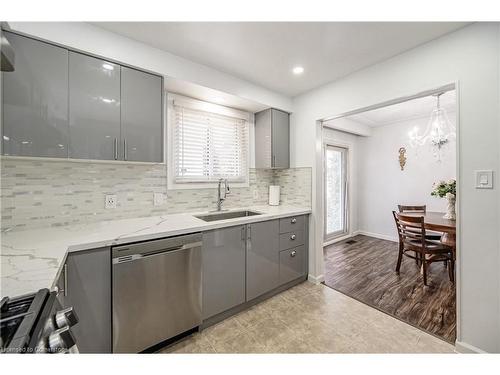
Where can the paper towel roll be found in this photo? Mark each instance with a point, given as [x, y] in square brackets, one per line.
[274, 195]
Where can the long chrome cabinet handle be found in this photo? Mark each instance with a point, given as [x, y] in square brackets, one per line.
[124, 149]
[115, 145]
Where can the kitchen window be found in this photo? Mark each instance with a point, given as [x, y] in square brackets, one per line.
[208, 142]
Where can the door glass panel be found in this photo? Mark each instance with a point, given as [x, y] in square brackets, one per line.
[335, 191]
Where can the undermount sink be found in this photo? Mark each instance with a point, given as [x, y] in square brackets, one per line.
[226, 215]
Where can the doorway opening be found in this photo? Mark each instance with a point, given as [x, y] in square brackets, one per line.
[398, 154]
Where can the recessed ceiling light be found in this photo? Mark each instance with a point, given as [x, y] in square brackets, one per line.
[108, 66]
[298, 70]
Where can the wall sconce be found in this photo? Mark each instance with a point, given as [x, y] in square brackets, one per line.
[402, 157]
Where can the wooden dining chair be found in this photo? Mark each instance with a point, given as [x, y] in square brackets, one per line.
[414, 244]
[431, 235]
[403, 208]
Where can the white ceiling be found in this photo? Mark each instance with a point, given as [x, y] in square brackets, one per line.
[412, 109]
[265, 52]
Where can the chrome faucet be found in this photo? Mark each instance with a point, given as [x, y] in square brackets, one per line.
[220, 198]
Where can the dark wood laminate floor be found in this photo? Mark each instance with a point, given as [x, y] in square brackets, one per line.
[365, 270]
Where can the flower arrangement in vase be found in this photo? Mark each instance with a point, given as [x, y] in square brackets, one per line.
[447, 190]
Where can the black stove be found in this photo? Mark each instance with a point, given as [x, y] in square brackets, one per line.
[36, 323]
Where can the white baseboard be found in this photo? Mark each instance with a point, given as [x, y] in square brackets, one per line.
[464, 348]
[338, 239]
[376, 235]
[316, 279]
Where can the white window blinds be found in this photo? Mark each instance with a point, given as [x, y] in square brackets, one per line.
[209, 146]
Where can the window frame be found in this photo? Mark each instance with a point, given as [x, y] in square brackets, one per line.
[196, 104]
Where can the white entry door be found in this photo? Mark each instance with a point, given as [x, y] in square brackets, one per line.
[336, 191]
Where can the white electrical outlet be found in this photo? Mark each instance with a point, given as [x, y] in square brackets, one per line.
[158, 199]
[255, 194]
[110, 201]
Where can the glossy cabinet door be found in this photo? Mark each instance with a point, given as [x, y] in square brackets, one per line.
[292, 264]
[262, 258]
[272, 139]
[35, 100]
[141, 116]
[94, 108]
[88, 291]
[263, 140]
[280, 139]
[223, 259]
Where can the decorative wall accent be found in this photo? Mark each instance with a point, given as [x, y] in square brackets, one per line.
[38, 193]
[402, 157]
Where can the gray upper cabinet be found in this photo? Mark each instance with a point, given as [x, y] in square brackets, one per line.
[141, 116]
[262, 258]
[94, 108]
[280, 133]
[223, 269]
[35, 100]
[272, 139]
[65, 104]
[87, 288]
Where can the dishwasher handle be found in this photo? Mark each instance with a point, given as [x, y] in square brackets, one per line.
[137, 256]
[154, 247]
[155, 252]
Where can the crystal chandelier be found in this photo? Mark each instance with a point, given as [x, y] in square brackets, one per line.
[439, 130]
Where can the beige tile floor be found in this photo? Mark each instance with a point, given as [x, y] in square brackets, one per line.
[311, 318]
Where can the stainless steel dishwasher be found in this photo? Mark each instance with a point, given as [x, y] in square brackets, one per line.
[156, 291]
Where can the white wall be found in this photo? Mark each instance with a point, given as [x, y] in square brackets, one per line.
[382, 185]
[92, 39]
[470, 56]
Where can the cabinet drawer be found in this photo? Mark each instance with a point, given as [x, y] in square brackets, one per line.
[289, 224]
[292, 264]
[291, 239]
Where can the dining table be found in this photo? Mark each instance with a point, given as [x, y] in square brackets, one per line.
[435, 221]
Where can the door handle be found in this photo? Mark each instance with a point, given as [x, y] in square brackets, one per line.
[243, 233]
[292, 237]
[293, 221]
[293, 253]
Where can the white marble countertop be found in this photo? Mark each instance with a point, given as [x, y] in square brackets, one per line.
[32, 259]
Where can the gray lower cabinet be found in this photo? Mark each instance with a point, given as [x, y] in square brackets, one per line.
[223, 270]
[88, 289]
[141, 116]
[94, 108]
[292, 264]
[35, 100]
[262, 258]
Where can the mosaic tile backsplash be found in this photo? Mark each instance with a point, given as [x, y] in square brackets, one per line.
[40, 193]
